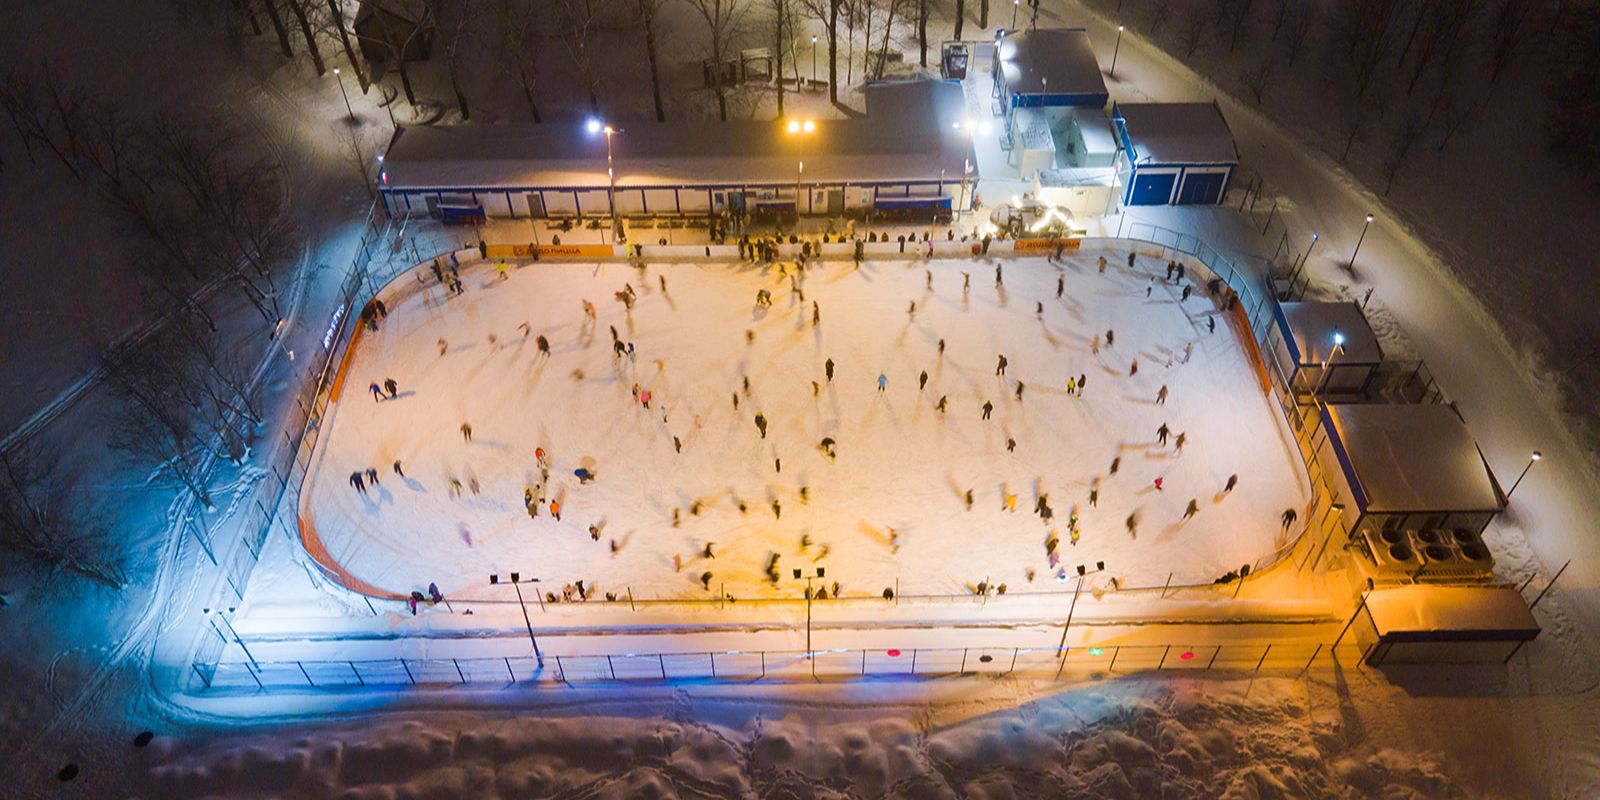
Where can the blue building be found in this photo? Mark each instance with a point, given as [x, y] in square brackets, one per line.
[1174, 153]
[1048, 68]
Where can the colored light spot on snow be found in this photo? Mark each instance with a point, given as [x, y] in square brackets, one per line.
[1095, 651]
[894, 653]
[1188, 654]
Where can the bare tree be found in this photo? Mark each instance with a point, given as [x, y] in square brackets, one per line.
[44, 517]
[1509, 29]
[888, 28]
[1238, 15]
[452, 52]
[356, 152]
[724, 19]
[1298, 30]
[298, 9]
[580, 22]
[271, 7]
[518, 23]
[1452, 113]
[961, 17]
[781, 22]
[336, 20]
[1192, 33]
[922, 33]
[1572, 111]
[1400, 144]
[1352, 127]
[1159, 15]
[1278, 18]
[1363, 36]
[1258, 78]
[648, 12]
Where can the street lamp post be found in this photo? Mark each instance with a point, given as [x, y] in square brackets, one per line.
[1099, 566]
[798, 574]
[1535, 457]
[1363, 238]
[516, 581]
[343, 93]
[1115, 52]
[235, 633]
[1014, 5]
[1294, 275]
[800, 129]
[1338, 349]
[813, 59]
[596, 126]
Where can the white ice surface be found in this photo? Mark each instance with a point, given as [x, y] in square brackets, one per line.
[900, 464]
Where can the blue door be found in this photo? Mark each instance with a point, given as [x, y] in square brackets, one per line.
[1203, 189]
[1151, 190]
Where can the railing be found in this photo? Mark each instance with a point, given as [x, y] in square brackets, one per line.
[749, 665]
[289, 462]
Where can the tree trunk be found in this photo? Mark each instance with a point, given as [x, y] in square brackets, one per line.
[528, 83]
[983, 14]
[337, 14]
[961, 17]
[833, 50]
[777, 49]
[270, 6]
[922, 33]
[399, 58]
[249, 16]
[647, 12]
[298, 9]
[888, 27]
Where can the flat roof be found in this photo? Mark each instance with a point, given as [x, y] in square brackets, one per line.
[909, 133]
[1177, 133]
[1050, 61]
[1412, 458]
[1412, 612]
[1312, 327]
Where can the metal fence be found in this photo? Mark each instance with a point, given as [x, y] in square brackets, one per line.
[752, 665]
[389, 247]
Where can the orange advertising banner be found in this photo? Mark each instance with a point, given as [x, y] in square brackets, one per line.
[1043, 245]
[550, 251]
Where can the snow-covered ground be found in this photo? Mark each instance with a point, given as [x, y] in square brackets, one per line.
[891, 507]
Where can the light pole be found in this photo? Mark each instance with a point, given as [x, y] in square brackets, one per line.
[971, 128]
[516, 581]
[1115, 52]
[1099, 566]
[1338, 349]
[1014, 5]
[813, 59]
[800, 129]
[343, 93]
[224, 617]
[597, 127]
[820, 574]
[1535, 457]
[277, 329]
[1294, 274]
[1359, 241]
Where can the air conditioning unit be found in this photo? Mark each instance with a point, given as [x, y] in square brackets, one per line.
[1451, 554]
[1392, 553]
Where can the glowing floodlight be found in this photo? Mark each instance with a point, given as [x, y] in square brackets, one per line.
[1095, 651]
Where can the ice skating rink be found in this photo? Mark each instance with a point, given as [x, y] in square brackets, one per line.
[901, 464]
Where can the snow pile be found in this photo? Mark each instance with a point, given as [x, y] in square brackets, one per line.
[672, 477]
[1133, 738]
